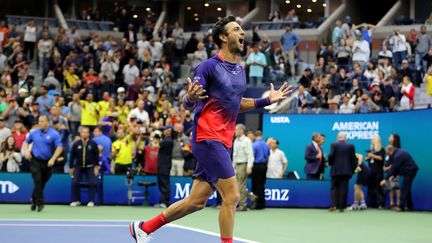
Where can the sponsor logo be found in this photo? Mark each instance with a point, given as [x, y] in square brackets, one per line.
[276, 194]
[183, 190]
[8, 187]
[358, 130]
[279, 119]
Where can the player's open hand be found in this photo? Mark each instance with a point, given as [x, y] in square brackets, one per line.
[280, 94]
[195, 91]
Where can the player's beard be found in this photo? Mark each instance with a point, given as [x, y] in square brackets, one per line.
[234, 47]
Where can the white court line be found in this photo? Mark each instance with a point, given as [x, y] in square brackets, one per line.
[98, 225]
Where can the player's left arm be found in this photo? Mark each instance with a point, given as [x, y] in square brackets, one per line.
[274, 96]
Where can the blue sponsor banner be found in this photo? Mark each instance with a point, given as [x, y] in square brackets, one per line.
[294, 133]
[18, 188]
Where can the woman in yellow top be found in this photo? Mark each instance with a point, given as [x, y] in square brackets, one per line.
[428, 80]
[123, 110]
[104, 106]
[123, 151]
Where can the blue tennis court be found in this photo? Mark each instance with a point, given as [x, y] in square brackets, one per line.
[65, 231]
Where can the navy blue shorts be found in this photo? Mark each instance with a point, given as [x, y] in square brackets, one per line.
[214, 161]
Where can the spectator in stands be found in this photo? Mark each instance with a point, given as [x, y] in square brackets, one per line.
[10, 158]
[343, 53]
[377, 98]
[178, 36]
[156, 49]
[306, 78]
[389, 93]
[346, 28]
[337, 33]
[130, 72]
[429, 20]
[289, 41]
[256, 62]
[303, 102]
[123, 151]
[320, 67]
[275, 16]
[3, 60]
[191, 44]
[358, 74]
[411, 39]
[44, 101]
[428, 80]
[365, 30]
[130, 34]
[4, 31]
[5, 132]
[407, 92]
[292, 17]
[199, 55]
[371, 72]
[361, 51]
[10, 114]
[346, 107]
[365, 104]
[406, 70]
[30, 39]
[423, 45]
[256, 39]
[398, 41]
[384, 53]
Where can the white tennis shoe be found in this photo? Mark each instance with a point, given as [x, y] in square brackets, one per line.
[137, 233]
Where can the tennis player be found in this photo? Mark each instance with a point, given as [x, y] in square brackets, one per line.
[216, 94]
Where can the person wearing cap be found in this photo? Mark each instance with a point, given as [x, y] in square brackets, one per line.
[46, 148]
[45, 101]
[121, 93]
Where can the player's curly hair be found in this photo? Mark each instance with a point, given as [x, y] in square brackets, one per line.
[219, 28]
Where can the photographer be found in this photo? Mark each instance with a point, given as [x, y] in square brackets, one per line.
[177, 153]
[398, 41]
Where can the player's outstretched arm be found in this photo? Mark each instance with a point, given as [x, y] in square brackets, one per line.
[274, 96]
[195, 92]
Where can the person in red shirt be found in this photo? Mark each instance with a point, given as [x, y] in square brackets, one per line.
[91, 77]
[4, 31]
[19, 134]
[151, 157]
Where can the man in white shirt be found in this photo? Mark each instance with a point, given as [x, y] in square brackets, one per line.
[277, 163]
[243, 159]
[142, 45]
[346, 107]
[130, 72]
[140, 113]
[398, 41]
[361, 51]
[156, 49]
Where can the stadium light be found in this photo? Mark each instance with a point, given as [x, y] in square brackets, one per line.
[324, 5]
[219, 9]
[196, 19]
[314, 1]
[298, 6]
[148, 9]
[195, 14]
[309, 10]
[206, 4]
[287, 1]
[135, 16]
[188, 7]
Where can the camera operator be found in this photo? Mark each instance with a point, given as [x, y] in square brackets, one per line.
[84, 161]
[164, 166]
[178, 161]
[398, 41]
